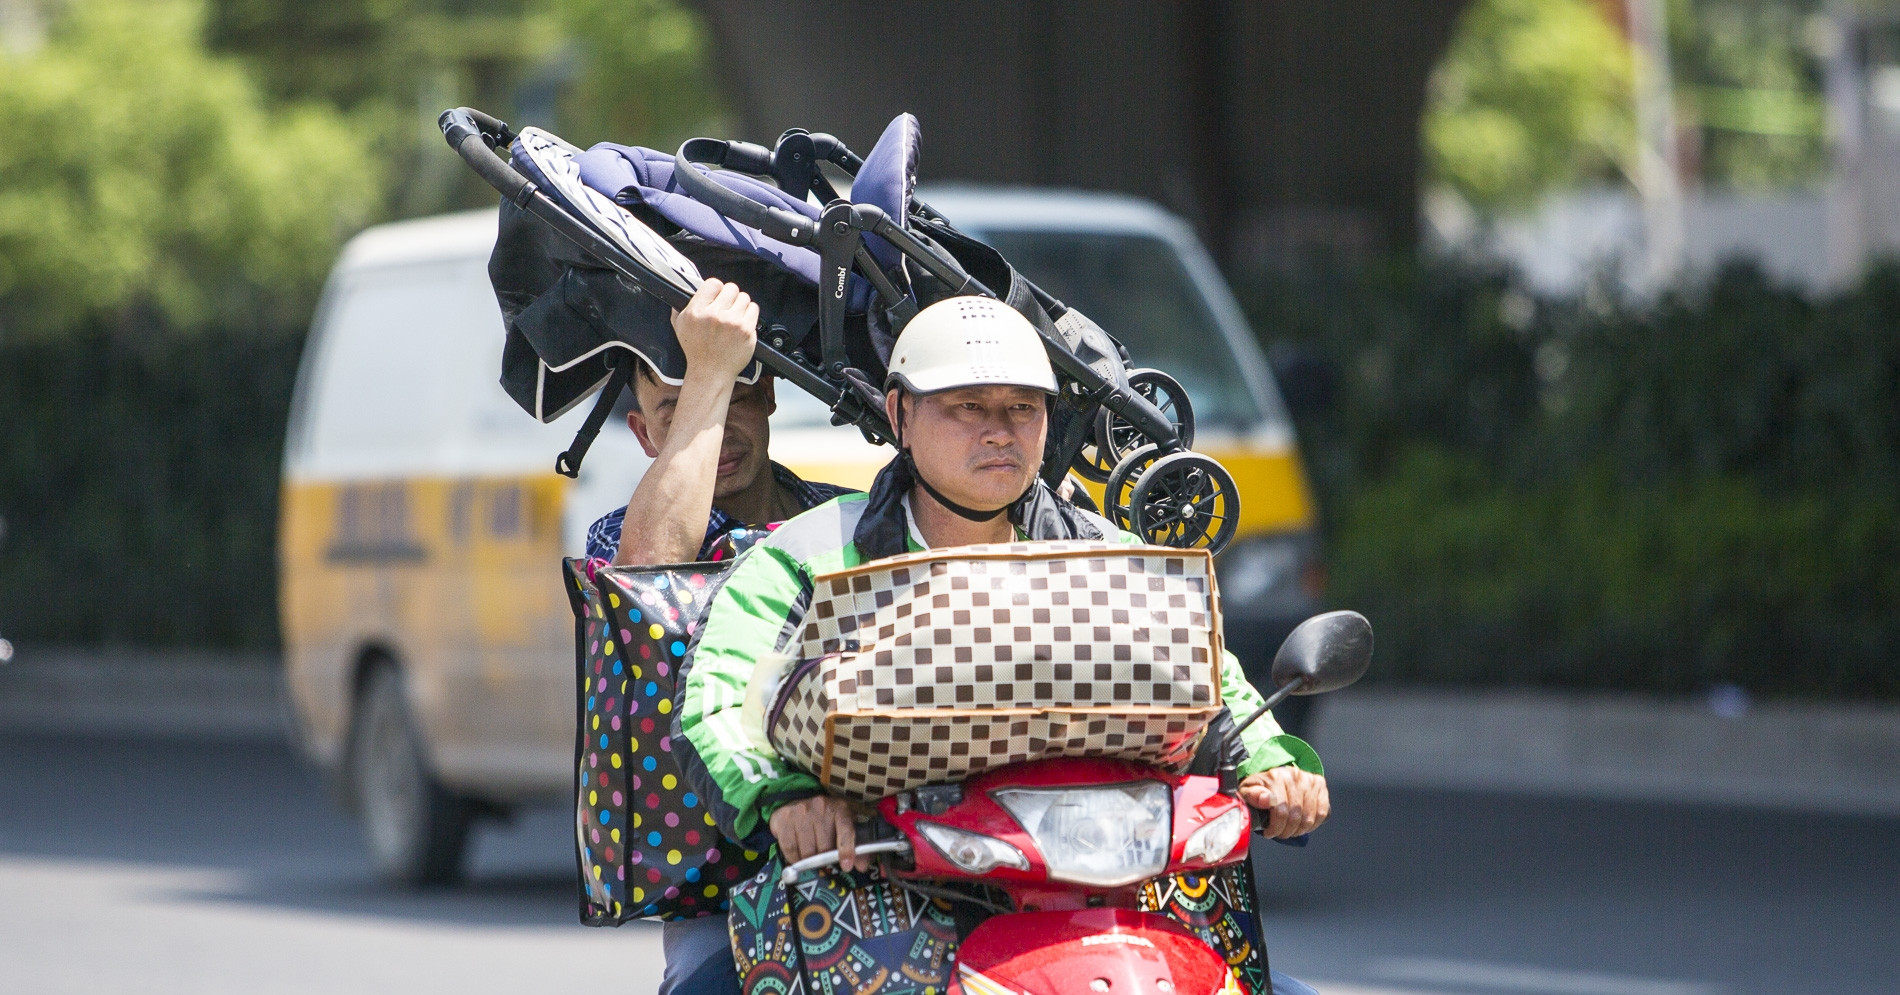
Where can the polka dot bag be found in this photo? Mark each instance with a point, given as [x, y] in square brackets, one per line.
[646, 845]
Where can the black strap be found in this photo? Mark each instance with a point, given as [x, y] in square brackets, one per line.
[963, 512]
[568, 464]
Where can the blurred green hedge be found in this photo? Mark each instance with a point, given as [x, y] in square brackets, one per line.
[138, 482]
[1516, 491]
[1702, 490]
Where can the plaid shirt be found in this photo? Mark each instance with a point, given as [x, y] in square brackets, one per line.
[603, 537]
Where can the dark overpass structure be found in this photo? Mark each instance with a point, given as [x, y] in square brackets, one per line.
[1278, 126]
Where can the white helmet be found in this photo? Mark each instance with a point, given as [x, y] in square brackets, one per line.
[969, 342]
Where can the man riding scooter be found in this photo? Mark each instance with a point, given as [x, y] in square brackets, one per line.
[967, 396]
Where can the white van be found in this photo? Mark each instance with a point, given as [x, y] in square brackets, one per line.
[427, 639]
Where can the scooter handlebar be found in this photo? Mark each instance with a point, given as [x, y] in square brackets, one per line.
[830, 858]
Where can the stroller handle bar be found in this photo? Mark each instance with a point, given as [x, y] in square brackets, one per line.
[474, 135]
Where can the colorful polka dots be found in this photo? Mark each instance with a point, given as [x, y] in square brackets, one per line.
[634, 809]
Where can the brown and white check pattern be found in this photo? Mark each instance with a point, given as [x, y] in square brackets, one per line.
[1010, 653]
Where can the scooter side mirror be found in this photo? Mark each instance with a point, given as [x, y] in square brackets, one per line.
[1324, 653]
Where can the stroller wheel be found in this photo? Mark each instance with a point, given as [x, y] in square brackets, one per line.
[1117, 492]
[1187, 501]
[1092, 463]
[1116, 438]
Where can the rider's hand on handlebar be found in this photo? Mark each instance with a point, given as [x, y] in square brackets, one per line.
[814, 825]
[1294, 800]
[717, 330]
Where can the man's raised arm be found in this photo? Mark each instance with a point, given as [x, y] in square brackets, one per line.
[666, 517]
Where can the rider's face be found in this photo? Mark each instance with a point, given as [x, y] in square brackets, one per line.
[980, 446]
[743, 458]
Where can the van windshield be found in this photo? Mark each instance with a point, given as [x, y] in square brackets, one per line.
[1135, 287]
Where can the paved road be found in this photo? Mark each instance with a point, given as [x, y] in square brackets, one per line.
[160, 867]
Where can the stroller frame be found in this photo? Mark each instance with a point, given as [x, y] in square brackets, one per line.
[1156, 487]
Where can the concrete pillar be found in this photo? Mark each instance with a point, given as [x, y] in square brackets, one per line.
[1275, 125]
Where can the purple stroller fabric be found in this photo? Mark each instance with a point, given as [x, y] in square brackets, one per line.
[632, 174]
[886, 181]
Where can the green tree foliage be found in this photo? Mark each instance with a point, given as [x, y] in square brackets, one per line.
[629, 71]
[643, 76]
[1749, 91]
[1537, 95]
[1531, 95]
[354, 53]
[148, 179]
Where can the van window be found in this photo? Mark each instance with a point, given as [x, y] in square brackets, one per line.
[1135, 287]
[378, 398]
[401, 380]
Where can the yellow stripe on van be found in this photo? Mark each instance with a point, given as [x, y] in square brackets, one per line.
[1273, 491]
[459, 580]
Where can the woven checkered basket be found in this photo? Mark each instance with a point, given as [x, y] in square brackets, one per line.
[926, 668]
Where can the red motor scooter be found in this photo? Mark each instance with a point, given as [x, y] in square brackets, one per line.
[1071, 842]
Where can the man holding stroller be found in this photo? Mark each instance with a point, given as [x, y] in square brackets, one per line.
[711, 480]
[709, 439]
[967, 396]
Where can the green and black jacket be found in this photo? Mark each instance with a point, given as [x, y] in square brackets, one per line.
[758, 612]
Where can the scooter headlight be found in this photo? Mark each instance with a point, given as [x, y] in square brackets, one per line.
[975, 853]
[1217, 839]
[1106, 837]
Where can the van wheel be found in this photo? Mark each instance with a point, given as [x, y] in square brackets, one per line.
[417, 830]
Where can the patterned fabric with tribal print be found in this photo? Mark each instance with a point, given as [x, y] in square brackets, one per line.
[838, 932]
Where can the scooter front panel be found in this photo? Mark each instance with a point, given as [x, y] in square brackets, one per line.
[1088, 952]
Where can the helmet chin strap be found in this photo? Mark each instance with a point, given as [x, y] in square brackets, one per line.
[961, 511]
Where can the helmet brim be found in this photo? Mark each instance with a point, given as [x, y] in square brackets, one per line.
[938, 381]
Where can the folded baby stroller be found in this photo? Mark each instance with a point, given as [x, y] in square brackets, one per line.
[596, 247]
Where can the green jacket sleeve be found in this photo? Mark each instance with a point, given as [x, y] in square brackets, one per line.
[1267, 746]
[745, 624]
